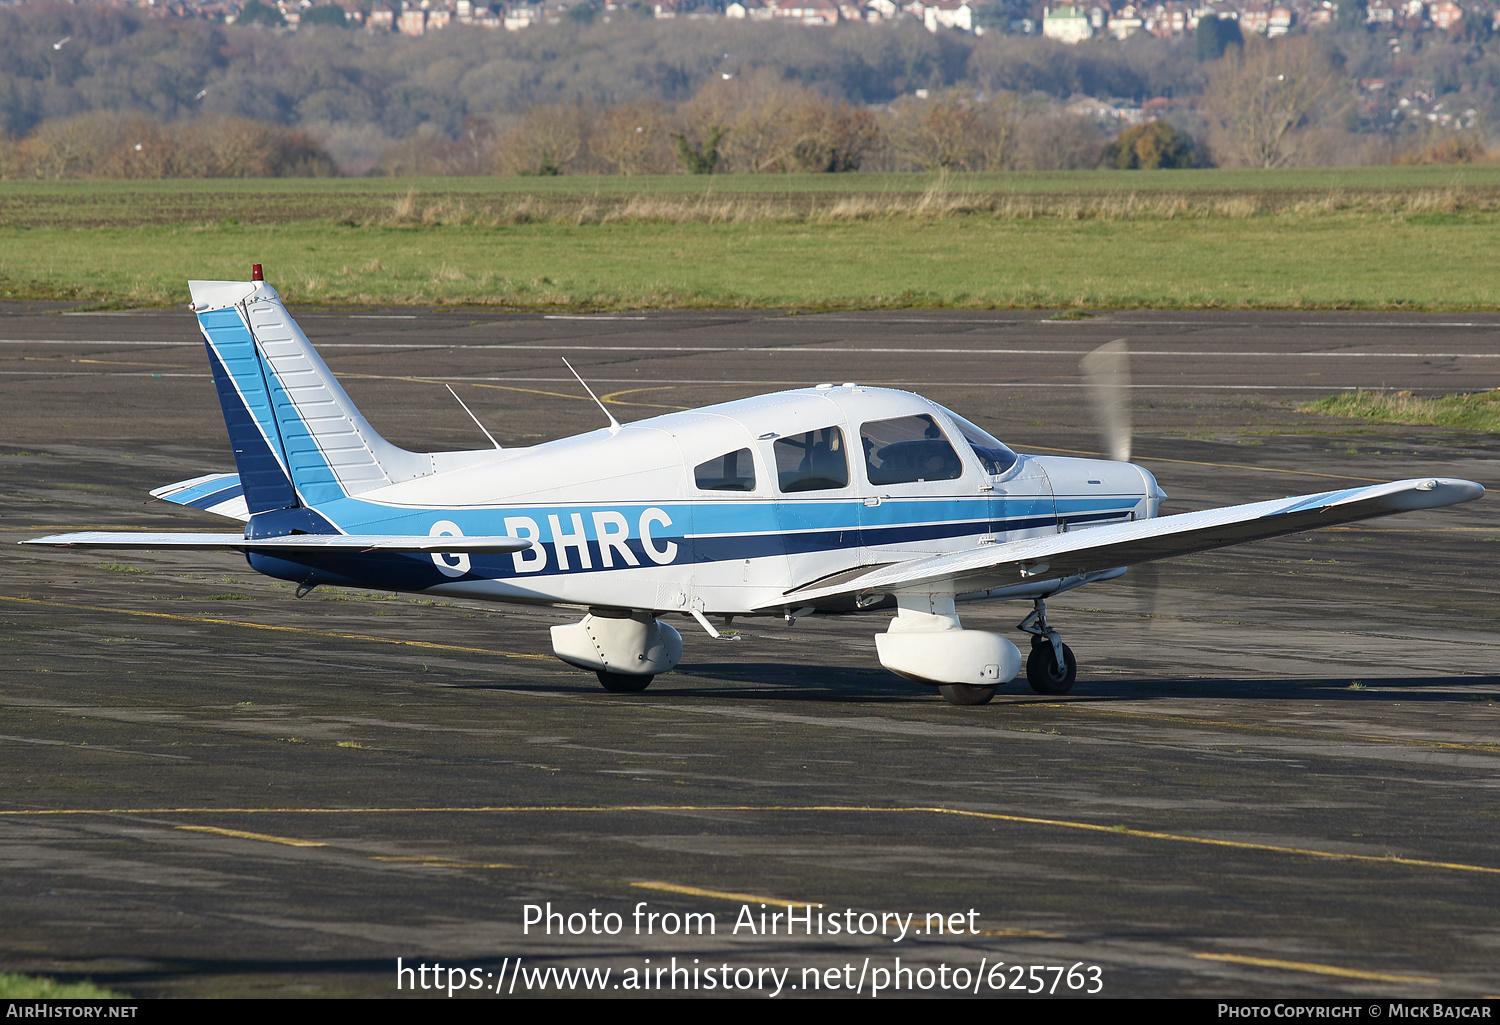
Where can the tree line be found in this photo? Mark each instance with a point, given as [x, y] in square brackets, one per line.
[758, 125]
[657, 97]
[360, 92]
[762, 124]
[1263, 105]
[102, 145]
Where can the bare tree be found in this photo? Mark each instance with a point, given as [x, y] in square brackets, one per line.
[706, 119]
[13, 162]
[74, 147]
[549, 140]
[939, 134]
[1260, 97]
[1002, 114]
[1058, 141]
[953, 132]
[227, 146]
[763, 128]
[848, 135]
[634, 139]
[764, 124]
[140, 146]
[145, 149]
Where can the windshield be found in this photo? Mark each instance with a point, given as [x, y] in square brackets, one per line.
[993, 456]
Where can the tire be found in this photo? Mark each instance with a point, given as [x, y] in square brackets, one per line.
[1042, 673]
[623, 683]
[965, 694]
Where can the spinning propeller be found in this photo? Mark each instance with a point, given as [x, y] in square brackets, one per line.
[1107, 371]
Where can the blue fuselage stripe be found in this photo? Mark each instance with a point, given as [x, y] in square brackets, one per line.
[416, 572]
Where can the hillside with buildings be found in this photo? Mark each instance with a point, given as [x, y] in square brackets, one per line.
[435, 85]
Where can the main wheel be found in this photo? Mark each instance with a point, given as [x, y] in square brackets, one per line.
[1042, 672]
[966, 694]
[623, 683]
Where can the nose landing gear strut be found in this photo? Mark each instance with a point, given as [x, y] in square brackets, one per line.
[1051, 667]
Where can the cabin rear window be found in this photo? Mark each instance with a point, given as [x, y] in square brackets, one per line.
[815, 461]
[908, 449]
[733, 471]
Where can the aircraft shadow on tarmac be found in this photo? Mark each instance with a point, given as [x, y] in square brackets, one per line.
[1346, 689]
[801, 682]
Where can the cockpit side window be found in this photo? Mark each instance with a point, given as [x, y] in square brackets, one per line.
[908, 449]
[993, 456]
[733, 471]
[815, 461]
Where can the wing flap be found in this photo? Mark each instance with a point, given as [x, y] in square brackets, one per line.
[1098, 549]
[289, 543]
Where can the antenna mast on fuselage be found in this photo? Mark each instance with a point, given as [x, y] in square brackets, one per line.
[614, 425]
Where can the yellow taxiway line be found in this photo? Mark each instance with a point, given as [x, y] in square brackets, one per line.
[738, 898]
[278, 629]
[264, 837]
[433, 862]
[1029, 820]
[1316, 969]
[1291, 731]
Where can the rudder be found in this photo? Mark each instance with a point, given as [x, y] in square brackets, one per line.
[297, 436]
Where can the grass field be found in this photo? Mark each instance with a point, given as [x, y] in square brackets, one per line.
[1376, 238]
[33, 987]
[1479, 411]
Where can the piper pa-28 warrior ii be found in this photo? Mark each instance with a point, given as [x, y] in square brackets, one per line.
[832, 499]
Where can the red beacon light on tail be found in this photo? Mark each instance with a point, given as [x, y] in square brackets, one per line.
[255, 274]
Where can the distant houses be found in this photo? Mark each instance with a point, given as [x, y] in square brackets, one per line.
[1074, 22]
[1067, 25]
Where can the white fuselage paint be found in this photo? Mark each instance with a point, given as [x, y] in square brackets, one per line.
[617, 519]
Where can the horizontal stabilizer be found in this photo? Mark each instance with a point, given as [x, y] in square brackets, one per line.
[219, 493]
[1098, 549]
[287, 543]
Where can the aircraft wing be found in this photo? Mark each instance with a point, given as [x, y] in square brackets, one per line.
[1104, 548]
[287, 543]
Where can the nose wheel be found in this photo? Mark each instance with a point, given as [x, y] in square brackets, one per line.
[1051, 667]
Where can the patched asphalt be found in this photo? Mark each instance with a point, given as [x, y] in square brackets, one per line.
[1276, 776]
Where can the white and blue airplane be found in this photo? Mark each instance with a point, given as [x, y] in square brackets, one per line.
[832, 499]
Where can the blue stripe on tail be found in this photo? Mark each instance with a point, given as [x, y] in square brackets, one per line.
[248, 413]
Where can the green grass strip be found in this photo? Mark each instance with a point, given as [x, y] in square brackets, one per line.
[1479, 411]
[1320, 238]
[33, 987]
[1338, 261]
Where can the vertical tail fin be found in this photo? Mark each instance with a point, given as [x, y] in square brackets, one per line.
[297, 437]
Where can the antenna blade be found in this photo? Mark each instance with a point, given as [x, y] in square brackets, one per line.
[614, 425]
[461, 402]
